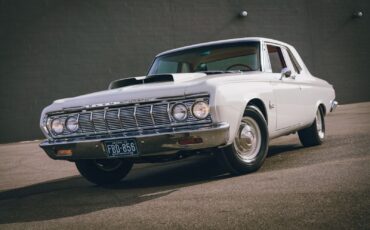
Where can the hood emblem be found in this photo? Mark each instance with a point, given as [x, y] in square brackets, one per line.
[132, 101]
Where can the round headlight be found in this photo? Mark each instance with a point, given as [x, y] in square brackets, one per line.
[57, 126]
[179, 112]
[200, 109]
[72, 124]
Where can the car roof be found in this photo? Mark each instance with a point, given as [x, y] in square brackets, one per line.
[258, 39]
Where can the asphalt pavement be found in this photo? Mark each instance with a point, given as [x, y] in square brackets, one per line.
[322, 187]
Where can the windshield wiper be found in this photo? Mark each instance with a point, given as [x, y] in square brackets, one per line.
[209, 72]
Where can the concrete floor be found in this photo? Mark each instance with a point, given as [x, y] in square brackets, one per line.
[323, 187]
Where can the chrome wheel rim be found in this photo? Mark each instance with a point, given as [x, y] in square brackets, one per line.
[108, 165]
[248, 140]
[319, 125]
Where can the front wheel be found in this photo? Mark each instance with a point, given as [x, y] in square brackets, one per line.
[249, 148]
[315, 134]
[104, 171]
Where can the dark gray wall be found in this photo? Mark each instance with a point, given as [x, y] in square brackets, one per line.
[63, 48]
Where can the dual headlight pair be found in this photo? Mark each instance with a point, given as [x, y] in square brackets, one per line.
[199, 110]
[58, 125]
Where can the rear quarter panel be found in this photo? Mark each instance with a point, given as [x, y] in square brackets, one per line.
[316, 92]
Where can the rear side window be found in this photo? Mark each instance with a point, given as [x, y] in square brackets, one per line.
[276, 58]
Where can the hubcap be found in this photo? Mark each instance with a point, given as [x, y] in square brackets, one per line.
[319, 125]
[248, 140]
[108, 165]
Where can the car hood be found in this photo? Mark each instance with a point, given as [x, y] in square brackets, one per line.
[182, 84]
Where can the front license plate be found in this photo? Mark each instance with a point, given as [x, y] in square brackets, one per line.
[117, 148]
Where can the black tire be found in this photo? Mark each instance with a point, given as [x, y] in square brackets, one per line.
[231, 158]
[103, 172]
[312, 136]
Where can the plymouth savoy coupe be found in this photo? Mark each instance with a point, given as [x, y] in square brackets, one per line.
[226, 97]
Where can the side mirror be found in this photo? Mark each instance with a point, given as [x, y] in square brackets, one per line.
[285, 72]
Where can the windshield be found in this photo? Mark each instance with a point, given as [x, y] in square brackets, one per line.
[227, 57]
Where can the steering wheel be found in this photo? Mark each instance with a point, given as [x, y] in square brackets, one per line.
[239, 64]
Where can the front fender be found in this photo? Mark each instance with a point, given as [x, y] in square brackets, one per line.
[231, 100]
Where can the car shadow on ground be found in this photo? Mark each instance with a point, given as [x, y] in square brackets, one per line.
[74, 196]
[282, 149]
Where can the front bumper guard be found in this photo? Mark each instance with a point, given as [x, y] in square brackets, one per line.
[333, 105]
[157, 144]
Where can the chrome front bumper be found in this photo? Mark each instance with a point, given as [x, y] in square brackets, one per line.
[156, 144]
[333, 105]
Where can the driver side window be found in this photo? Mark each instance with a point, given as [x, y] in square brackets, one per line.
[276, 58]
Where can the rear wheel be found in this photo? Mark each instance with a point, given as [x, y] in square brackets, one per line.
[249, 149]
[104, 171]
[315, 134]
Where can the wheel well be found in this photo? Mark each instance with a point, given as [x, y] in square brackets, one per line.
[260, 105]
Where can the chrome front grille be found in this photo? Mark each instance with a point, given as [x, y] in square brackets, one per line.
[143, 116]
[98, 121]
[129, 118]
[85, 123]
[160, 114]
[112, 118]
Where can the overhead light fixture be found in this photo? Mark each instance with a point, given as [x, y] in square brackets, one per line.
[357, 14]
[243, 13]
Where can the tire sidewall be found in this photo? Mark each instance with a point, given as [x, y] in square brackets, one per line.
[318, 140]
[322, 125]
[237, 165]
[94, 174]
[310, 136]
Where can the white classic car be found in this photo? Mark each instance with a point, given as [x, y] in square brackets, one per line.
[227, 97]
